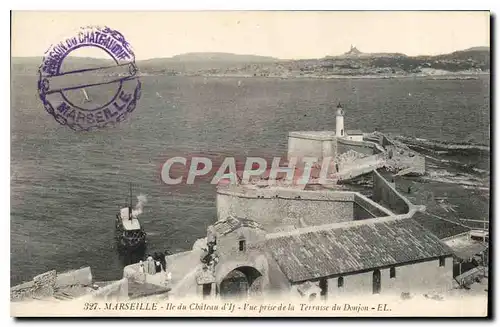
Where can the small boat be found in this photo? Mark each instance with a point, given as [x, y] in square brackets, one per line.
[129, 233]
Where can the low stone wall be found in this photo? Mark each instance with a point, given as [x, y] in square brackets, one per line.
[45, 284]
[378, 138]
[23, 291]
[375, 209]
[369, 148]
[184, 267]
[82, 276]
[132, 273]
[374, 137]
[186, 287]
[386, 194]
[400, 158]
[115, 291]
[384, 141]
[352, 166]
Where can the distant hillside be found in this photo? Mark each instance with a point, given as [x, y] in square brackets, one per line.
[352, 63]
[209, 62]
[357, 63]
[478, 49]
[478, 54]
[221, 56]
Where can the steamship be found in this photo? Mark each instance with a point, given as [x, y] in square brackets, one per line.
[129, 233]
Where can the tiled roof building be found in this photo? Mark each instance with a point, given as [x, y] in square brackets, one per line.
[351, 248]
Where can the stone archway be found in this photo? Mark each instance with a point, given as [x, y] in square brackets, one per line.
[241, 282]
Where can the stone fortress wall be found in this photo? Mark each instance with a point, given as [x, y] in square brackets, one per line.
[311, 144]
[280, 207]
[385, 194]
[375, 151]
[275, 207]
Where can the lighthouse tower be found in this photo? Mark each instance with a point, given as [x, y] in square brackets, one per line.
[339, 124]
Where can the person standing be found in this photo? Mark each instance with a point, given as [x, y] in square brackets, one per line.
[142, 272]
[151, 266]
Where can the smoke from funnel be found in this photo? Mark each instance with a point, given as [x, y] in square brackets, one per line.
[141, 201]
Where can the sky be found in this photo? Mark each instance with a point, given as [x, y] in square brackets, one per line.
[281, 34]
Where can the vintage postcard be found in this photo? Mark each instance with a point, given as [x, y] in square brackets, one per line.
[250, 163]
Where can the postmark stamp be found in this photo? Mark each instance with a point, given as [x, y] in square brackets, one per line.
[90, 95]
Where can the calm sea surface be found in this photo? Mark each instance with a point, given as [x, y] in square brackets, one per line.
[66, 187]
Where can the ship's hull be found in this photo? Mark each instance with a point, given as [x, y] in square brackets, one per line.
[126, 243]
[129, 239]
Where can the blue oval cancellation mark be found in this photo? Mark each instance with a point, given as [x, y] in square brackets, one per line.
[91, 97]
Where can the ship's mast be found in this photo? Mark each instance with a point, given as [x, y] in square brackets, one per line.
[130, 204]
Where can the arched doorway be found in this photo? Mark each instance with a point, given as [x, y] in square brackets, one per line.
[241, 282]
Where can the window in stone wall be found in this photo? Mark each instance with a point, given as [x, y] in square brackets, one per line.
[340, 282]
[392, 272]
[243, 245]
[442, 262]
